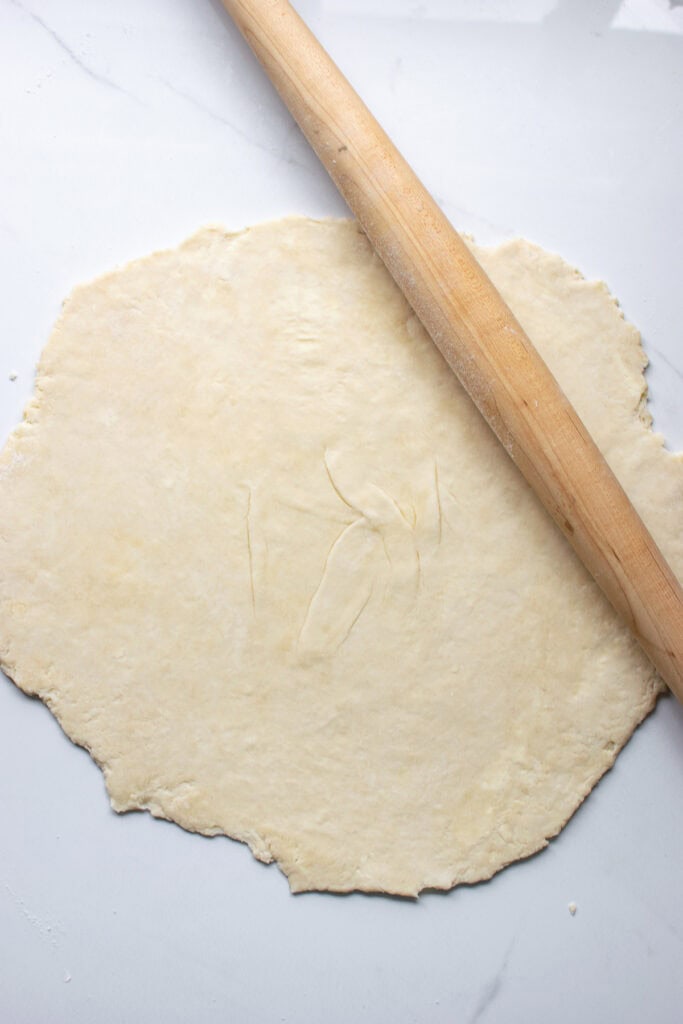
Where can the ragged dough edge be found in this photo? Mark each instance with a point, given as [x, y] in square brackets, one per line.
[163, 805]
[299, 882]
[164, 808]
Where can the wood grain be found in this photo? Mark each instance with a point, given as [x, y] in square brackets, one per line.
[475, 330]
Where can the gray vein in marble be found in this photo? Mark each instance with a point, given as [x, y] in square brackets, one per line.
[73, 57]
[395, 74]
[208, 112]
[7, 229]
[660, 355]
[493, 987]
[672, 928]
[462, 213]
[293, 133]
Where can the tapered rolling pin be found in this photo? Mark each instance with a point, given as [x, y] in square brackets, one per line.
[475, 331]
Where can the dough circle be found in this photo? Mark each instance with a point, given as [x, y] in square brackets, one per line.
[262, 558]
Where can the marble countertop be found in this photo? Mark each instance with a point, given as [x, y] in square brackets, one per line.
[126, 126]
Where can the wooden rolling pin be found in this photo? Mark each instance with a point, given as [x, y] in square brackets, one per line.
[474, 329]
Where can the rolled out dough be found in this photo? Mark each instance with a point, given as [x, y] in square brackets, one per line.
[262, 558]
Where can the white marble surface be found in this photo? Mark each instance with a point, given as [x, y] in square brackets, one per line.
[124, 127]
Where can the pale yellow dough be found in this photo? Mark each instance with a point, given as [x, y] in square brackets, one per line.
[260, 555]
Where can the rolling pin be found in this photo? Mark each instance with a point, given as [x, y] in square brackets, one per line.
[475, 331]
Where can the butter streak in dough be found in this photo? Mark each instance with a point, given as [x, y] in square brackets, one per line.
[260, 555]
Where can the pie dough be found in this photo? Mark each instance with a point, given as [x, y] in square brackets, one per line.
[261, 557]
